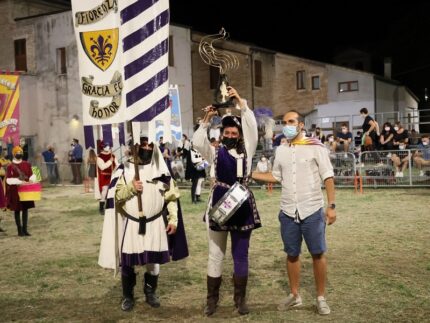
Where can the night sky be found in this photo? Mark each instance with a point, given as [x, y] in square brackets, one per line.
[320, 30]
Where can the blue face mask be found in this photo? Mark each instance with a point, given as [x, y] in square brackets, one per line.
[290, 132]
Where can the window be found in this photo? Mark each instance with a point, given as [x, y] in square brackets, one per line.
[20, 55]
[315, 82]
[171, 57]
[61, 61]
[214, 76]
[258, 77]
[300, 77]
[348, 86]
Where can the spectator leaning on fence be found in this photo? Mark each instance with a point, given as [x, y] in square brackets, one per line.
[422, 156]
[51, 165]
[75, 160]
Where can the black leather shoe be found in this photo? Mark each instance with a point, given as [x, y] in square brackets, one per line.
[152, 300]
[127, 304]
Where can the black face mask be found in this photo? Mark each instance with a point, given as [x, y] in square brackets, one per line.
[145, 155]
[230, 143]
[18, 156]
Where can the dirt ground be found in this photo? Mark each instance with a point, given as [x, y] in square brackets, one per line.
[378, 257]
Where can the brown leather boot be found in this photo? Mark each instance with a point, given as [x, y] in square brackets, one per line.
[240, 294]
[213, 285]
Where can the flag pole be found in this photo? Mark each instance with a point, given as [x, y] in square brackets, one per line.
[136, 159]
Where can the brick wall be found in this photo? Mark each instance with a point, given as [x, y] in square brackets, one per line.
[286, 93]
[278, 91]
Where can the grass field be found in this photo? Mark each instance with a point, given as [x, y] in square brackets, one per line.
[379, 265]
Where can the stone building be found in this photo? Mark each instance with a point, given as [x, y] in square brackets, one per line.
[50, 101]
[265, 78]
[38, 39]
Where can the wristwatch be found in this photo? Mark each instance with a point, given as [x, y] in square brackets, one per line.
[332, 206]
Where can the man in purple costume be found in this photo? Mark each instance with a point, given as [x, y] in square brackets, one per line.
[232, 164]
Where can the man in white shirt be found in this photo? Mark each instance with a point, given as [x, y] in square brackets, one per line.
[300, 166]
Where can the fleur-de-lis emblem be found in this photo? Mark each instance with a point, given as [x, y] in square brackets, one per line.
[101, 51]
[100, 46]
[227, 204]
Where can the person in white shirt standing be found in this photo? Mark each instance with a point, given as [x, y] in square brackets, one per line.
[300, 166]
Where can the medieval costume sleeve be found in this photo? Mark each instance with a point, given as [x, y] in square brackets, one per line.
[202, 144]
[102, 164]
[250, 133]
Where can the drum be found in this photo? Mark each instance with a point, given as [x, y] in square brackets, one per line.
[229, 203]
[30, 192]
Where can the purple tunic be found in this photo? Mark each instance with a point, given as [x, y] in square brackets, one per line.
[246, 217]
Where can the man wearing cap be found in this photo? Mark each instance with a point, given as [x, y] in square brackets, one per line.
[149, 237]
[232, 163]
[17, 173]
[106, 164]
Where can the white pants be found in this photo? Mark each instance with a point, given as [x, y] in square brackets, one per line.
[217, 246]
[153, 269]
[199, 186]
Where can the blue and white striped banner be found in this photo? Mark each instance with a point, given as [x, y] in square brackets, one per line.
[123, 59]
[145, 39]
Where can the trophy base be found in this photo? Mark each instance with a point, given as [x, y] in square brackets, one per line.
[227, 104]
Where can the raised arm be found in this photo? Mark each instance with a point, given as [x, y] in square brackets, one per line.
[249, 128]
[200, 138]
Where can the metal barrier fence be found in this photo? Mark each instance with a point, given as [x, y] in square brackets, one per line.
[391, 168]
[395, 168]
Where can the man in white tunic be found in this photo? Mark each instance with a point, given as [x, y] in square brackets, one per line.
[149, 237]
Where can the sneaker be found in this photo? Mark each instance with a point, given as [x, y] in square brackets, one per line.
[389, 155]
[345, 155]
[400, 174]
[127, 304]
[322, 306]
[290, 302]
[421, 173]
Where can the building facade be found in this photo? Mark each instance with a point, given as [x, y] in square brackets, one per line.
[50, 101]
[43, 46]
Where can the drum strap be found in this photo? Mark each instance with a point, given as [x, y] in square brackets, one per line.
[21, 175]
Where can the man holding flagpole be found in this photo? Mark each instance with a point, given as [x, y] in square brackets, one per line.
[149, 237]
[123, 51]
